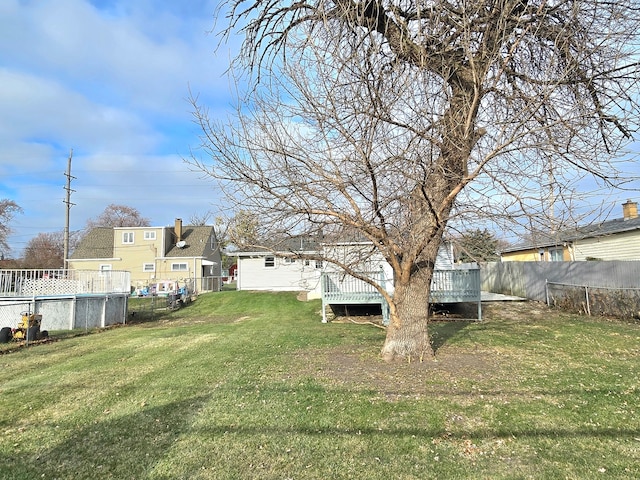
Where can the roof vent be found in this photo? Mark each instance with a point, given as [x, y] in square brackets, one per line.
[181, 244]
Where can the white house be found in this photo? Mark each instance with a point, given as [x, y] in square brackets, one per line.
[281, 271]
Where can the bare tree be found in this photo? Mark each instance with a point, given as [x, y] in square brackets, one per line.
[118, 216]
[45, 250]
[395, 119]
[8, 209]
[243, 230]
[201, 219]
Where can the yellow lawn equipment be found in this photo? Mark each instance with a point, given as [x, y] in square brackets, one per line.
[28, 329]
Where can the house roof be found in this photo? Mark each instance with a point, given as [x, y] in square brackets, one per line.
[610, 227]
[196, 240]
[619, 225]
[98, 243]
[290, 244]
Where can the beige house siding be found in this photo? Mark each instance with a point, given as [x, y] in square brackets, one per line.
[621, 246]
[542, 254]
[149, 253]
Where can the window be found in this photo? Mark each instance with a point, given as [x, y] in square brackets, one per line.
[149, 235]
[318, 263]
[179, 267]
[105, 267]
[148, 267]
[555, 255]
[307, 262]
[269, 261]
[289, 260]
[127, 237]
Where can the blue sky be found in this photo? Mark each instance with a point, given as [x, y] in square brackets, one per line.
[110, 80]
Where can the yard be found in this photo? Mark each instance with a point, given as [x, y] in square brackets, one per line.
[241, 385]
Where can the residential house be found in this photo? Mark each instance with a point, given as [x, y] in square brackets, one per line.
[296, 265]
[617, 239]
[157, 257]
[286, 267]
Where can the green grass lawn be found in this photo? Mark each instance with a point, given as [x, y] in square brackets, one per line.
[242, 385]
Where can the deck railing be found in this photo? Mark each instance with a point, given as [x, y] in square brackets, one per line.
[341, 285]
[453, 286]
[37, 282]
[447, 286]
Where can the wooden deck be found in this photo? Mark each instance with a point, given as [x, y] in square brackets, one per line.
[447, 286]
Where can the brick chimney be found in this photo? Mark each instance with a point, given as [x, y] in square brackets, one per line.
[630, 210]
[178, 229]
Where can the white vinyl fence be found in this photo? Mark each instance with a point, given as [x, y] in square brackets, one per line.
[20, 283]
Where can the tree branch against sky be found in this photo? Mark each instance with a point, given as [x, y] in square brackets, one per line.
[118, 216]
[390, 118]
[8, 209]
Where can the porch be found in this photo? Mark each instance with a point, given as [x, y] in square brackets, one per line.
[447, 286]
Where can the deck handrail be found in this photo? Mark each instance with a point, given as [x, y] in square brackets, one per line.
[31, 282]
[447, 286]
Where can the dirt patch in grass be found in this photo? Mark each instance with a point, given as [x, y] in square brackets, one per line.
[394, 381]
[454, 369]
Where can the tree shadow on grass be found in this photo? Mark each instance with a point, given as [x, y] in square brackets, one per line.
[447, 320]
[156, 442]
[109, 445]
[440, 332]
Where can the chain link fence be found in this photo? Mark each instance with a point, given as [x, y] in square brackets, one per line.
[11, 311]
[590, 300]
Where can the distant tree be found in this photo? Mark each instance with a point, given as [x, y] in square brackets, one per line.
[201, 219]
[45, 250]
[243, 229]
[118, 216]
[8, 208]
[477, 246]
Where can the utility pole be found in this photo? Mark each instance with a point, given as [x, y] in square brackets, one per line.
[67, 201]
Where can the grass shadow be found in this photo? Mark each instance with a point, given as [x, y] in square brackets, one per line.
[442, 331]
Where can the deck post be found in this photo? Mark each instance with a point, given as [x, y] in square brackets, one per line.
[323, 289]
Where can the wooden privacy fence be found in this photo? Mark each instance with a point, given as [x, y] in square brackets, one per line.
[447, 286]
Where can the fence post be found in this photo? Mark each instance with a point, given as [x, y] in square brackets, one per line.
[323, 287]
[546, 291]
[586, 293]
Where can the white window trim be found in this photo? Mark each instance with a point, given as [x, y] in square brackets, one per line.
[272, 262]
[126, 236]
[152, 265]
[174, 267]
[149, 235]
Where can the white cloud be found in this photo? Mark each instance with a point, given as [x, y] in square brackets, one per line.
[109, 79]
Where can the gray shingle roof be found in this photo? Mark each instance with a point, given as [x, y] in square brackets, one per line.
[610, 227]
[98, 243]
[196, 240]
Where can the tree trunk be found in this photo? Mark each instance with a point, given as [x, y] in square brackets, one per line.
[407, 336]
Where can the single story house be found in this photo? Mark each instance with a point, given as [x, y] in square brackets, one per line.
[297, 265]
[617, 239]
